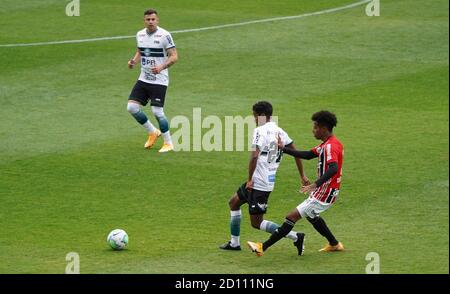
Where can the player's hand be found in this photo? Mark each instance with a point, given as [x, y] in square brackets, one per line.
[308, 189]
[131, 63]
[157, 69]
[305, 181]
[249, 185]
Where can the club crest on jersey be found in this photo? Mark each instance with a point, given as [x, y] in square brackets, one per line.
[147, 52]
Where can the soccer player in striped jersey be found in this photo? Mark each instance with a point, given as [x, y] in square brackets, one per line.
[323, 192]
[264, 162]
[156, 52]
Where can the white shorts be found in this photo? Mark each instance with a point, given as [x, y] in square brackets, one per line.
[312, 207]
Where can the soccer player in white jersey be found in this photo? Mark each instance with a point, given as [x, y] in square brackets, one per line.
[263, 165]
[156, 52]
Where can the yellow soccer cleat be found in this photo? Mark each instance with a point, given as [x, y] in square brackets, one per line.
[152, 139]
[166, 148]
[330, 248]
[256, 247]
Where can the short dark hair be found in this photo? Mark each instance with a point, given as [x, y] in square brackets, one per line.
[150, 11]
[325, 118]
[263, 108]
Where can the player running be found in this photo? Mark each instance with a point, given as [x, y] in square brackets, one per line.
[156, 52]
[263, 165]
[323, 192]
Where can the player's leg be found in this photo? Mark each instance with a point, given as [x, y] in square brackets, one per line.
[311, 208]
[258, 222]
[164, 127]
[235, 204]
[158, 96]
[257, 208]
[283, 230]
[138, 98]
[134, 108]
[321, 227]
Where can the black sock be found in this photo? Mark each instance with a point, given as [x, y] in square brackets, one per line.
[321, 227]
[280, 233]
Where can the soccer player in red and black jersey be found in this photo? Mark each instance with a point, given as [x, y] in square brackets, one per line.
[323, 192]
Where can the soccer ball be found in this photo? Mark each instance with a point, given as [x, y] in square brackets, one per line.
[117, 239]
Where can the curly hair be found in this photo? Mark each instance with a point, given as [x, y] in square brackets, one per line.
[325, 118]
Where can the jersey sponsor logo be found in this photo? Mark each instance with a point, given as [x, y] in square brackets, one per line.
[156, 42]
[141, 35]
[158, 36]
[146, 61]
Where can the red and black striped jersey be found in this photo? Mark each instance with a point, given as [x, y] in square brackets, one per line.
[329, 151]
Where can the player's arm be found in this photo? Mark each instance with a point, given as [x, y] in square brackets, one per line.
[305, 181]
[133, 61]
[332, 169]
[299, 154]
[251, 167]
[172, 57]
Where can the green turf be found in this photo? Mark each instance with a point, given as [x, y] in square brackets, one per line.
[72, 166]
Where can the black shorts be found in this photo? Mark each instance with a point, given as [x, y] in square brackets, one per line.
[143, 92]
[257, 200]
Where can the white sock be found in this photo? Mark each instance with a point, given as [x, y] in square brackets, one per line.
[235, 241]
[235, 227]
[292, 235]
[149, 127]
[270, 227]
[167, 138]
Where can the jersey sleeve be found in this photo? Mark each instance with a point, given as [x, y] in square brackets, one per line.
[285, 139]
[332, 152]
[168, 42]
[257, 140]
[316, 150]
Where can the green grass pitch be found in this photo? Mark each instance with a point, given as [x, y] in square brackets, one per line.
[73, 167]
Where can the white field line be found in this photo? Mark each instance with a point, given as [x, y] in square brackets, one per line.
[331, 10]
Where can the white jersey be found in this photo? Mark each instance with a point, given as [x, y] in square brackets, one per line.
[153, 49]
[265, 138]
